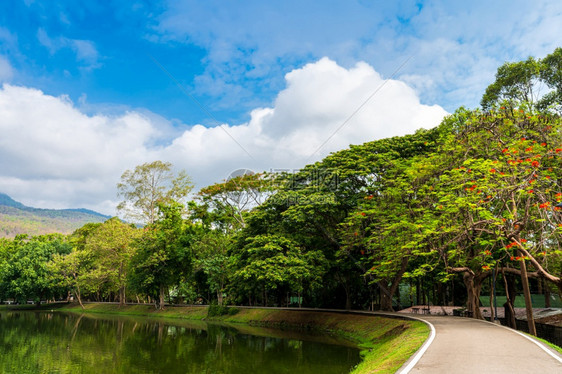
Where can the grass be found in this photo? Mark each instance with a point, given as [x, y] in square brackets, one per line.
[386, 343]
[546, 342]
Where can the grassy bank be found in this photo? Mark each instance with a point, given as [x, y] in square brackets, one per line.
[386, 342]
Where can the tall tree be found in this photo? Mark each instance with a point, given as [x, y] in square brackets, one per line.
[110, 245]
[272, 262]
[147, 185]
[163, 254]
[536, 83]
[227, 203]
[498, 200]
[210, 252]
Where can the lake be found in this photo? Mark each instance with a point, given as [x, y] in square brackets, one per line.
[55, 342]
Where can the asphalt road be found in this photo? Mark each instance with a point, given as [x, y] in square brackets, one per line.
[466, 345]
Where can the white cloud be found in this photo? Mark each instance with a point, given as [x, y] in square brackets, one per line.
[456, 47]
[6, 71]
[85, 50]
[54, 155]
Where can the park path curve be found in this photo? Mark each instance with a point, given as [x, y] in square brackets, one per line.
[467, 345]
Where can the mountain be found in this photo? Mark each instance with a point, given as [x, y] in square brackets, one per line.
[16, 218]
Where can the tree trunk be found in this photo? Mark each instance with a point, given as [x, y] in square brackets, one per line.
[386, 298]
[159, 302]
[510, 294]
[77, 292]
[219, 297]
[492, 302]
[121, 296]
[527, 295]
[473, 286]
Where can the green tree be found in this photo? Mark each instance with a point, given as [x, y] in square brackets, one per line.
[536, 83]
[110, 246]
[163, 254]
[551, 74]
[272, 262]
[497, 197]
[147, 185]
[227, 203]
[25, 273]
[211, 256]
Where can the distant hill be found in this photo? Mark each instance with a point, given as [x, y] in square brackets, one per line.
[16, 218]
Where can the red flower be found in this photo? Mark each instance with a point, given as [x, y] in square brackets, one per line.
[523, 240]
[530, 149]
[505, 150]
[558, 150]
[492, 170]
[530, 191]
[543, 144]
[535, 164]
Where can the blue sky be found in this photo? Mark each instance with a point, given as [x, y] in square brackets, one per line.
[264, 70]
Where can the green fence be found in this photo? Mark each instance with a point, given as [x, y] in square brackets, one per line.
[537, 301]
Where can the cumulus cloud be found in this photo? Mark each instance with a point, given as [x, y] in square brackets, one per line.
[54, 155]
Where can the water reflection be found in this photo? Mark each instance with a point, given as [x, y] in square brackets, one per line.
[39, 342]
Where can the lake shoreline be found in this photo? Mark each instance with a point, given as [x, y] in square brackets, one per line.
[386, 343]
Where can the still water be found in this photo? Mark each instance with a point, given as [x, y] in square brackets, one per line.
[43, 342]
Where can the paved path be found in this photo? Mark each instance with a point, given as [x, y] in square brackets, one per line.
[466, 345]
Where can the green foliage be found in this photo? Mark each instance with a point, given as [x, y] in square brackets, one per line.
[24, 270]
[534, 83]
[162, 254]
[477, 193]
